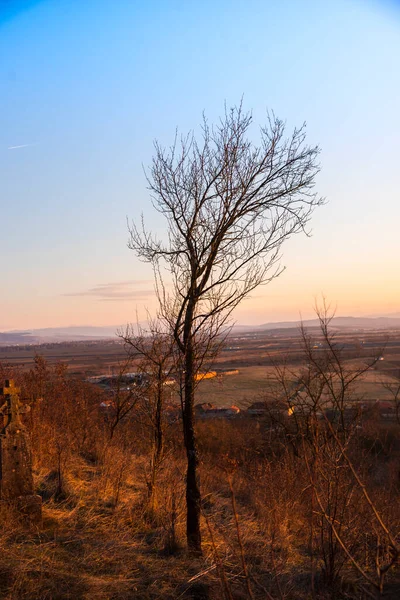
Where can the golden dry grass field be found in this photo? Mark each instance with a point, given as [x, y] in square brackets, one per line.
[248, 385]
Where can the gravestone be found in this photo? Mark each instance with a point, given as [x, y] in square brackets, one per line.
[16, 480]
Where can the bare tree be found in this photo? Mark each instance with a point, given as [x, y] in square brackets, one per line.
[393, 387]
[154, 349]
[125, 397]
[229, 205]
[325, 419]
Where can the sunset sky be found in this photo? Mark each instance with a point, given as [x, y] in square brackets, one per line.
[86, 87]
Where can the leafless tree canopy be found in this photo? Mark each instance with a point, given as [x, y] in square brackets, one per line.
[229, 205]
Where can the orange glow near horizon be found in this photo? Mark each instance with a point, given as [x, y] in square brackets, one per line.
[279, 301]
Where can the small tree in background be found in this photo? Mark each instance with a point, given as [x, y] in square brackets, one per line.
[229, 204]
[154, 351]
[349, 524]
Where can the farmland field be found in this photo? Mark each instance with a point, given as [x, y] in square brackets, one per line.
[253, 355]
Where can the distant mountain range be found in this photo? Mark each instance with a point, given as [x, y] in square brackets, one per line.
[391, 322]
[58, 334]
[82, 333]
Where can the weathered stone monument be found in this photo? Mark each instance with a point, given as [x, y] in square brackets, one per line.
[16, 480]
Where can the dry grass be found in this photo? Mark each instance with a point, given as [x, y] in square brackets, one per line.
[97, 544]
[90, 548]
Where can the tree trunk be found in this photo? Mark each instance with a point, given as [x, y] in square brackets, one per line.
[158, 442]
[193, 498]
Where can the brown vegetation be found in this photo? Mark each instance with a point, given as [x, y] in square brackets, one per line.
[301, 506]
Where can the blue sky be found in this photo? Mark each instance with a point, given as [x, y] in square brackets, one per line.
[85, 88]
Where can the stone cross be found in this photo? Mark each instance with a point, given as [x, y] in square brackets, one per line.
[16, 480]
[11, 407]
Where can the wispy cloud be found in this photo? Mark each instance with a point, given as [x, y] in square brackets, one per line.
[116, 291]
[20, 146]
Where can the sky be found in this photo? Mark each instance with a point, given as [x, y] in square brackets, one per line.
[86, 88]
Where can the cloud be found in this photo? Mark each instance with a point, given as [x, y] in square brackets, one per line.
[20, 146]
[116, 291]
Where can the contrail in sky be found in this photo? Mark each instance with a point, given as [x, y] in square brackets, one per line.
[21, 146]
